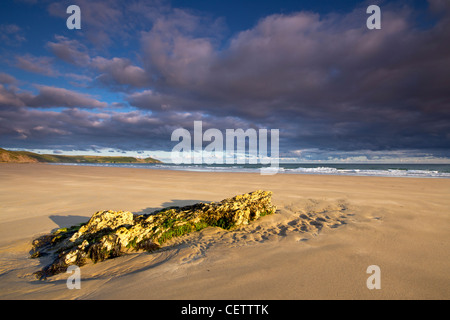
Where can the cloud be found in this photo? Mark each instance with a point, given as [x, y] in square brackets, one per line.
[180, 48]
[101, 20]
[324, 80]
[7, 79]
[116, 73]
[46, 98]
[40, 65]
[70, 128]
[25, 127]
[11, 34]
[59, 97]
[9, 97]
[70, 51]
[120, 72]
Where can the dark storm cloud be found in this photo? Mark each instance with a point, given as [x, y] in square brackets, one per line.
[134, 130]
[326, 81]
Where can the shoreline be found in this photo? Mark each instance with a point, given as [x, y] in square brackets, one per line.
[402, 225]
[316, 171]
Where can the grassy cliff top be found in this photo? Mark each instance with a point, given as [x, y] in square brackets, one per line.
[30, 157]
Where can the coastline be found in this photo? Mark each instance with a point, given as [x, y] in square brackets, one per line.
[407, 170]
[402, 225]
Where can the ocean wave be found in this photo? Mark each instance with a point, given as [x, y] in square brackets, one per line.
[370, 172]
[287, 169]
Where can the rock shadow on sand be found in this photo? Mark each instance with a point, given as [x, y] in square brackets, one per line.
[67, 221]
[175, 203]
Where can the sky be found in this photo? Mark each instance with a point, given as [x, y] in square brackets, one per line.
[138, 70]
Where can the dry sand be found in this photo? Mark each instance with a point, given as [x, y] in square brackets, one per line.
[400, 224]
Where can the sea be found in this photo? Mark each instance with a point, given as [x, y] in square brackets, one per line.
[347, 169]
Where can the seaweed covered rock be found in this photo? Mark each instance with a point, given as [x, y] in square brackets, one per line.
[109, 234]
[105, 220]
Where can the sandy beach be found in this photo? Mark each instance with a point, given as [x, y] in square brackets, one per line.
[401, 225]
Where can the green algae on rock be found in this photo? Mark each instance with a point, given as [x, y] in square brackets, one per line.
[109, 234]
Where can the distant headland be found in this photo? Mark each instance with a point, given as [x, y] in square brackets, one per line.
[7, 156]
